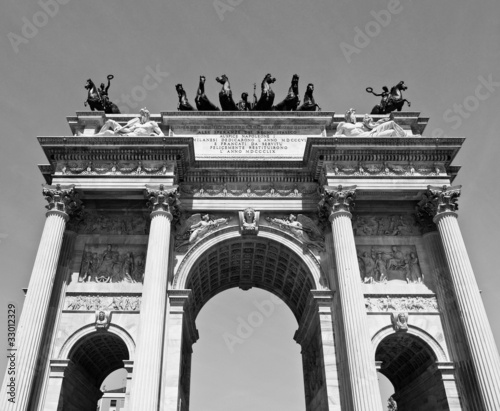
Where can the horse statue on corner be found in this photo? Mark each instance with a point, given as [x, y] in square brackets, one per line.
[291, 101]
[226, 95]
[266, 99]
[201, 100]
[183, 101]
[97, 99]
[309, 103]
[391, 101]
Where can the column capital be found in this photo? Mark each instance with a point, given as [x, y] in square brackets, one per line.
[338, 199]
[437, 202]
[162, 199]
[62, 199]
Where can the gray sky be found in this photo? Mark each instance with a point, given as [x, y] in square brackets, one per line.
[443, 50]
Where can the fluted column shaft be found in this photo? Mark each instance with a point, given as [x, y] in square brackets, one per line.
[148, 358]
[478, 334]
[361, 364]
[452, 326]
[35, 310]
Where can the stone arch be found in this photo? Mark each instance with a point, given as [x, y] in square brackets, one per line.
[78, 335]
[412, 365]
[90, 359]
[437, 349]
[273, 262]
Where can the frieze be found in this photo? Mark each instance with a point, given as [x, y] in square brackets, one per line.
[386, 225]
[250, 190]
[95, 222]
[113, 263]
[401, 304]
[369, 169]
[102, 302]
[387, 263]
[114, 168]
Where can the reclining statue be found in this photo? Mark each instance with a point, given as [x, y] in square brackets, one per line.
[137, 127]
[385, 127]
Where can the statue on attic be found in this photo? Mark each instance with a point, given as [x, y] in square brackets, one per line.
[226, 95]
[291, 101]
[244, 104]
[137, 127]
[266, 99]
[183, 101]
[385, 127]
[201, 100]
[391, 100]
[97, 98]
[309, 104]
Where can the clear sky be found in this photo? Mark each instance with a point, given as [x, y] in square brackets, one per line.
[445, 51]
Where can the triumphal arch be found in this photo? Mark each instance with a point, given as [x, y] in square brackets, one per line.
[150, 216]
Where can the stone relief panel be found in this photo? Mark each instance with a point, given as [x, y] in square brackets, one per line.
[102, 303]
[302, 228]
[388, 263]
[386, 225]
[94, 222]
[113, 263]
[197, 227]
[406, 304]
[250, 190]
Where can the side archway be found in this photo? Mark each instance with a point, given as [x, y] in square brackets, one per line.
[80, 334]
[413, 367]
[90, 356]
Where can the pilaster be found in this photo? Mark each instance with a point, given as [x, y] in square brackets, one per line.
[180, 335]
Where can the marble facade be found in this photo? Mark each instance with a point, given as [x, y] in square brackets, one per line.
[142, 231]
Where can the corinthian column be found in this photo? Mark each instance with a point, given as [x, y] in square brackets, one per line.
[145, 390]
[62, 202]
[360, 362]
[479, 338]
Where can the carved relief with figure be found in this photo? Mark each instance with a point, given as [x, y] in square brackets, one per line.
[113, 264]
[379, 264]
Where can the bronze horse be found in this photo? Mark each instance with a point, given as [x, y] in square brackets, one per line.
[309, 103]
[183, 101]
[226, 95]
[291, 101]
[391, 102]
[201, 100]
[266, 99]
[97, 101]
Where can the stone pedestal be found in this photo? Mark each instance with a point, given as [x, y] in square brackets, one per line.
[361, 364]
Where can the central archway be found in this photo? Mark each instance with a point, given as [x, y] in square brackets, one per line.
[271, 262]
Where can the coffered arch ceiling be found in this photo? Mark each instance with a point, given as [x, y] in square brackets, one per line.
[247, 263]
[99, 354]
